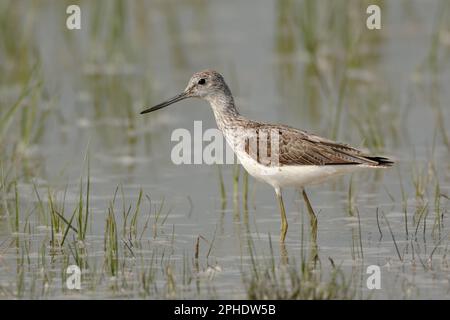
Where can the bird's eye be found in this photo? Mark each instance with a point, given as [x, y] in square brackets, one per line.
[201, 81]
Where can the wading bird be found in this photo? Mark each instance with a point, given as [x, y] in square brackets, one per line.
[279, 155]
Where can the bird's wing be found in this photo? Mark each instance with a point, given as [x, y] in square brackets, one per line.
[296, 147]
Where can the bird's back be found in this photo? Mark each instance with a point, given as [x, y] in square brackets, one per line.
[281, 145]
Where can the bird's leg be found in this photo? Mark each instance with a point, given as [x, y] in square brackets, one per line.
[284, 224]
[314, 255]
[312, 215]
[284, 254]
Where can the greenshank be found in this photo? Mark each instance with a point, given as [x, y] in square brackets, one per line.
[279, 155]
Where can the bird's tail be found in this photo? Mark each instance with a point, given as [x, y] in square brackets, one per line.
[381, 161]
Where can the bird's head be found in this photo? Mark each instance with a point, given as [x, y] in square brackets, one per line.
[207, 84]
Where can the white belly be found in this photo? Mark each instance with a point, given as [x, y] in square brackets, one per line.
[294, 176]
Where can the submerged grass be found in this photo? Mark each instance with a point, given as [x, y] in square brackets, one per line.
[137, 252]
[267, 281]
[67, 246]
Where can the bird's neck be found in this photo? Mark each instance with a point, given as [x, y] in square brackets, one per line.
[224, 109]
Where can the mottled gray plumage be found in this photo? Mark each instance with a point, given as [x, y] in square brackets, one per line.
[277, 154]
[295, 147]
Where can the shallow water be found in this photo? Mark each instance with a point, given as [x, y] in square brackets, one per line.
[130, 55]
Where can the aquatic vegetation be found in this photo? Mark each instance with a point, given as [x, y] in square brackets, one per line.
[84, 181]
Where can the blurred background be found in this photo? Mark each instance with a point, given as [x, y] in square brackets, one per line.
[73, 146]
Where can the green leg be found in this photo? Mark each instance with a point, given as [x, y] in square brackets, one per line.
[284, 224]
[312, 215]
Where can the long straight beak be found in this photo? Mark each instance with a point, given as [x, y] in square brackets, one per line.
[177, 98]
